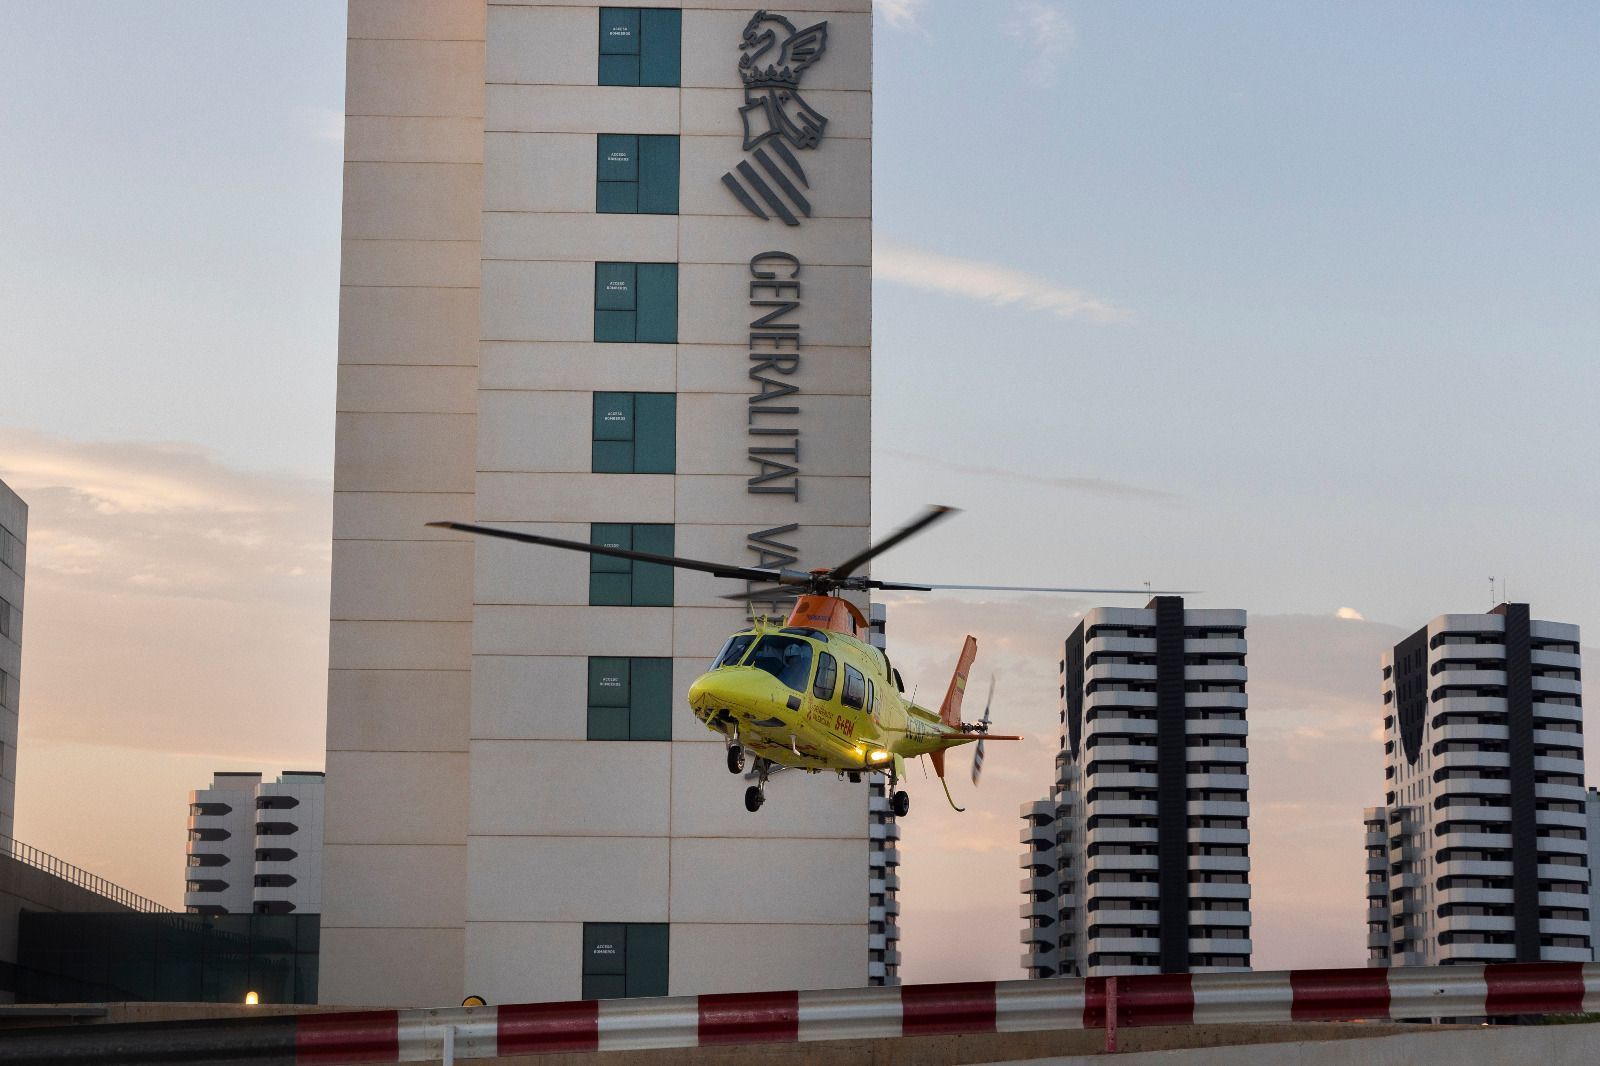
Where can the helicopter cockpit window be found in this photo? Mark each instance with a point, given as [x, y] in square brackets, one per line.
[855, 687]
[734, 650]
[786, 658]
[827, 677]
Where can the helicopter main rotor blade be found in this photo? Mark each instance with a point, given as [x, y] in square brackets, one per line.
[737, 573]
[855, 562]
[890, 586]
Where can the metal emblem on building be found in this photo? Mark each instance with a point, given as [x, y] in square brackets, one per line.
[777, 121]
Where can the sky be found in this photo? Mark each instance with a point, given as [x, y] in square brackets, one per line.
[1295, 305]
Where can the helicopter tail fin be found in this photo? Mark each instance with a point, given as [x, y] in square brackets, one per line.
[950, 709]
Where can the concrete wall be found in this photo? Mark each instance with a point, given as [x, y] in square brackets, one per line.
[24, 887]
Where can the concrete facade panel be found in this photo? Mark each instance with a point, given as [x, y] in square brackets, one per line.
[576, 788]
[396, 797]
[822, 882]
[379, 139]
[732, 957]
[530, 697]
[711, 49]
[546, 301]
[399, 645]
[581, 238]
[714, 437]
[580, 109]
[580, 366]
[574, 497]
[820, 242]
[843, 188]
[371, 710]
[714, 499]
[715, 112]
[698, 632]
[571, 631]
[567, 879]
[409, 326]
[393, 967]
[512, 573]
[414, 79]
[498, 955]
[835, 308]
[428, 20]
[707, 801]
[726, 368]
[410, 264]
[413, 887]
[405, 452]
[542, 46]
[398, 515]
[408, 389]
[545, 431]
[412, 201]
[539, 172]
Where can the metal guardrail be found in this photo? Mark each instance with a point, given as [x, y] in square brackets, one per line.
[77, 875]
[1106, 1003]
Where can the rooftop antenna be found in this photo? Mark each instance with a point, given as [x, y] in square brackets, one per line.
[1491, 592]
[1147, 588]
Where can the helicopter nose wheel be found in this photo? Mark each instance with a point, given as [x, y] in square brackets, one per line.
[736, 760]
[901, 803]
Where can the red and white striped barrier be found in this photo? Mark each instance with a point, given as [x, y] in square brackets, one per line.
[841, 1014]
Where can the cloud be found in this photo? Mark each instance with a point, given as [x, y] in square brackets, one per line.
[990, 283]
[1349, 614]
[1092, 485]
[901, 14]
[1044, 30]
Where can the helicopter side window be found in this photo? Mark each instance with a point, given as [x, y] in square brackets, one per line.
[827, 676]
[734, 650]
[786, 658]
[872, 698]
[855, 687]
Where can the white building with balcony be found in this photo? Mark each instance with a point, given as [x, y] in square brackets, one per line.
[1139, 861]
[13, 541]
[1480, 851]
[254, 846]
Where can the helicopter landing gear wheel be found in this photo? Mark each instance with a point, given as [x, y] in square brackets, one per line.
[901, 803]
[735, 759]
[753, 799]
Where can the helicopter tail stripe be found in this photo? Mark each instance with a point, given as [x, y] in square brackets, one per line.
[950, 709]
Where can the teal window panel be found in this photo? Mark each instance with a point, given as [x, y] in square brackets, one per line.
[610, 535]
[655, 433]
[609, 682]
[658, 175]
[604, 986]
[605, 948]
[650, 703]
[615, 286]
[652, 582]
[617, 157]
[608, 723]
[619, 70]
[647, 959]
[660, 46]
[612, 457]
[614, 416]
[610, 590]
[619, 31]
[657, 303]
[615, 327]
[617, 198]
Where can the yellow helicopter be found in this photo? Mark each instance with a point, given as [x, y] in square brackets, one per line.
[810, 692]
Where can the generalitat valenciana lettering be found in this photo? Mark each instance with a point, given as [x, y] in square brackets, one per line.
[773, 421]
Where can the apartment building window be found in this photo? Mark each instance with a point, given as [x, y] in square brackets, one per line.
[635, 433]
[636, 302]
[623, 582]
[5, 618]
[624, 959]
[5, 689]
[636, 174]
[10, 549]
[630, 699]
[640, 46]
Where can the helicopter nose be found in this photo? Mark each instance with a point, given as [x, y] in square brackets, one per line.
[732, 689]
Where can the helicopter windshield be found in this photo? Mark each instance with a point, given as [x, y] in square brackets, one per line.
[786, 658]
[734, 650]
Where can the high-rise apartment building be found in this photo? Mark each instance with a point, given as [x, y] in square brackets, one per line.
[13, 541]
[1479, 852]
[607, 276]
[255, 847]
[1138, 862]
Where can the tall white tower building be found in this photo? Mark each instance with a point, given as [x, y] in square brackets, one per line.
[1138, 862]
[1479, 852]
[254, 846]
[13, 541]
[607, 276]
